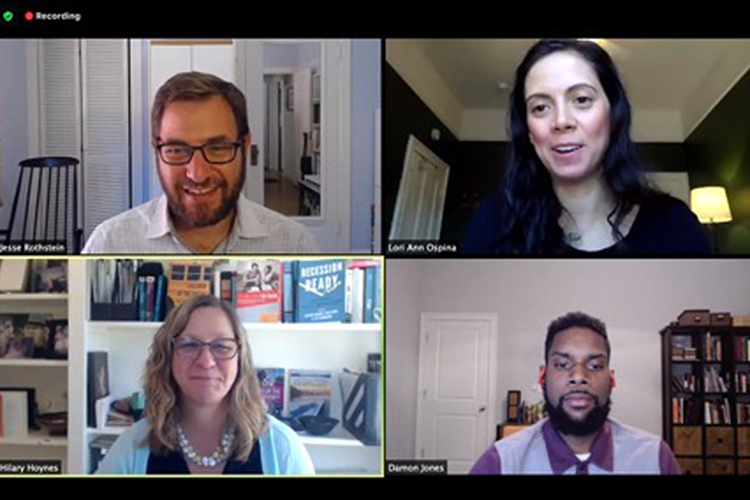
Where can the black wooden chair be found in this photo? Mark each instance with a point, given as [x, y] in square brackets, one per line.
[45, 207]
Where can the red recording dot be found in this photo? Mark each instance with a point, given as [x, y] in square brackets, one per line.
[29, 16]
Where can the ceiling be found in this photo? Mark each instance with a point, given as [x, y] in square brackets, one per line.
[679, 77]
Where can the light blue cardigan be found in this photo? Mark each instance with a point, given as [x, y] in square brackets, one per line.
[281, 452]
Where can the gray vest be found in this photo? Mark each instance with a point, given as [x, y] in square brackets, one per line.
[634, 452]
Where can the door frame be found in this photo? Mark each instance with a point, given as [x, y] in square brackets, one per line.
[492, 396]
[332, 229]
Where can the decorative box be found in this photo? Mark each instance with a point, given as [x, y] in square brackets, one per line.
[743, 467]
[742, 320]
[716, 467]
[719, 441]
[687, 440]
[743, 441]
[721, 319]
[690, 466]
[694, 317]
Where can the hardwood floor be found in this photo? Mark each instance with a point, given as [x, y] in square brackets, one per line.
[281, 195]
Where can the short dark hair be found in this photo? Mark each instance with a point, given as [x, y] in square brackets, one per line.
[195, 86]
[579, 319]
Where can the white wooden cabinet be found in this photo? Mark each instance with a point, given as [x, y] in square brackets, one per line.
[48, 377]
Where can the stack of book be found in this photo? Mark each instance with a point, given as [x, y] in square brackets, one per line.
[713, 347]
[683, 411]
[717, 413]
[740, 382]
[743, 349]
[686, 383]
[713, 382]
[743, 413]
[314, 291]
[682, 349]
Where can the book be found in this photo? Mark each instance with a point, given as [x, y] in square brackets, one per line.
[364, 291]
[98, 383]
[1, 416]
[150, 297]
[102, 408]
[288, 292]
[309, 393]
[259, 291]
[320, 290]
[228, 287]
[358, 295]
[187, 279]
[272, 388]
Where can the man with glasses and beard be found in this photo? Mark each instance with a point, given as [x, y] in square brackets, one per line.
[200, 135]
[578, 437]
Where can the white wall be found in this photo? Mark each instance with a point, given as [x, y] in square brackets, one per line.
[635, 298]
[365, 97]
[418, 71]
[13, 120]
[403, 290]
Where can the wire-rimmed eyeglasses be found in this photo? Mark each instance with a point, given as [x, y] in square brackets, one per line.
[190, 348]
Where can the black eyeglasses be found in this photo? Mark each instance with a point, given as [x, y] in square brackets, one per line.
[216, 153]
[188, 348]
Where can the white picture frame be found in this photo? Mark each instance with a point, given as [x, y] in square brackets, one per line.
[15, 408]
[13, 275]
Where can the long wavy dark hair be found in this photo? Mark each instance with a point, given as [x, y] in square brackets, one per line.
[530, 208]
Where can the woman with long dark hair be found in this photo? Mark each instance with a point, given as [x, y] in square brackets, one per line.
[573, 183]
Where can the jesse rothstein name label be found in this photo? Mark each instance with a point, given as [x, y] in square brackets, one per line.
[33, 248]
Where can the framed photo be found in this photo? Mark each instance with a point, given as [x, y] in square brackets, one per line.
[36, 329]
[57, 339]
[49, 276]
[14, 343]
[19, 409]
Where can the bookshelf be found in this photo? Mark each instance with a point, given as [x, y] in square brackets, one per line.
[705, 396]
[48, 378]
[319, 346]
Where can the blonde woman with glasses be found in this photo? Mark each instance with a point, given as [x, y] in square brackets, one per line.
[204, 410]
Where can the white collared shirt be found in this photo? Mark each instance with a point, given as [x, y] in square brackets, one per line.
[147, 229]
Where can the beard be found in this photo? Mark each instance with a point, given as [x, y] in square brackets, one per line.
[185, 216]
[564, 424]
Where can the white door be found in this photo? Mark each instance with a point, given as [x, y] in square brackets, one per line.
[320, 101]
[421, 195]
[457, 388]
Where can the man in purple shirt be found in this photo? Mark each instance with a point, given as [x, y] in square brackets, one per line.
[578, 437]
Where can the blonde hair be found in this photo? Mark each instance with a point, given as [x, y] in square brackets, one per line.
[247, 410]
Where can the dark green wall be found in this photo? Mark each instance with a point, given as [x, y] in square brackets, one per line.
[405, 114]
[718, 153]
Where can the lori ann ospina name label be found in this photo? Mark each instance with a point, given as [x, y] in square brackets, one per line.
[416, 467]
[420, 247]
[30, 467]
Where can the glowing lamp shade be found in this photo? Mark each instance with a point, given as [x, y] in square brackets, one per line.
[710, 204]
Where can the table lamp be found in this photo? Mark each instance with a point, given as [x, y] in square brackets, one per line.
[711, 205]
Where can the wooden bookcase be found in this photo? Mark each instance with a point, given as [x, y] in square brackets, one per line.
[705, 440]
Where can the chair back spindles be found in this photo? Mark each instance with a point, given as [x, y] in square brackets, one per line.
[45, 219]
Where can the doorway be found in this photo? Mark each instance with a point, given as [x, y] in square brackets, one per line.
[457, 388]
